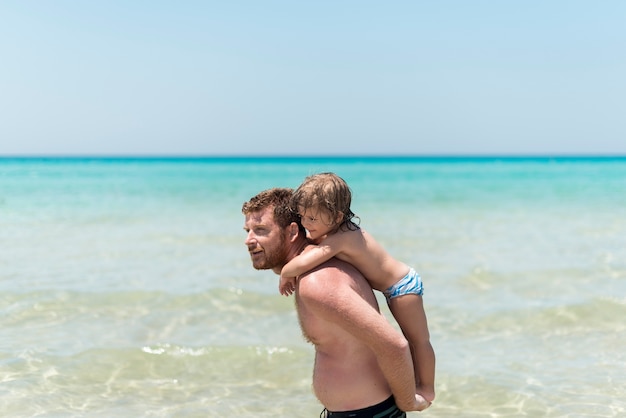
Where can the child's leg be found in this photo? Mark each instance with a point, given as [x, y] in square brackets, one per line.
[408, 310]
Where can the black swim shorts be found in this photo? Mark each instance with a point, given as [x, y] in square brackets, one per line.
[385, 409]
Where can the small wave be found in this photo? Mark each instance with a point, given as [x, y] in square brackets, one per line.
[70, 322]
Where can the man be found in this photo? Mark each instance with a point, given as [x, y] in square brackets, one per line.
[363, 366]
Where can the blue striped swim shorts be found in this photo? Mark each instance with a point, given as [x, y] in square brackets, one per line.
[411, 284]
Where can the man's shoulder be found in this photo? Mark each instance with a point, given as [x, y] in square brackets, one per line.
[329, 277]
[333, 268]
[333, 290]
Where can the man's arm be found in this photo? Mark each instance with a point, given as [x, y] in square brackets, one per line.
[345, 307]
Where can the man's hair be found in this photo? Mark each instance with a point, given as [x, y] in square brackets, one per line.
[280, 199]
[327, 191]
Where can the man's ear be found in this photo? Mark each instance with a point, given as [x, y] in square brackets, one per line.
[293, 231]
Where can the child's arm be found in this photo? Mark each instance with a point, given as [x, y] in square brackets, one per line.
[313, 256]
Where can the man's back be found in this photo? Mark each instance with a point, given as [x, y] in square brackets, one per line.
[339, 315]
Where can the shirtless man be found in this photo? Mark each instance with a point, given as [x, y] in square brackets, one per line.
[363, 366]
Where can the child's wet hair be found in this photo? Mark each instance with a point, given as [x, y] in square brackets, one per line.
[329, 192]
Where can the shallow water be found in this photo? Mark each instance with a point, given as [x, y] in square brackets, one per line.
[126, 290]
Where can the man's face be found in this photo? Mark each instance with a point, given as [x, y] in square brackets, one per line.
[266, 241]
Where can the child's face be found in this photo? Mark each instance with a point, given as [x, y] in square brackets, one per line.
[318, 222]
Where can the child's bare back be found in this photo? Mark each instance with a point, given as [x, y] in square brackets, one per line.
[360, 249]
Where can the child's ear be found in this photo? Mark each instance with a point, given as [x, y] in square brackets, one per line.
[339, 218]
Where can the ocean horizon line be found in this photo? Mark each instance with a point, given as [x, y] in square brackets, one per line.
[305, 157]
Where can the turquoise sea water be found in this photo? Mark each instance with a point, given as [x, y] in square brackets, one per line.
[126, 290]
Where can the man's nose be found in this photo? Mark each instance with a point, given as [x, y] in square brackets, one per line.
[250, 239]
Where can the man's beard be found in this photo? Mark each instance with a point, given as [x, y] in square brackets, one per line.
[277, 258]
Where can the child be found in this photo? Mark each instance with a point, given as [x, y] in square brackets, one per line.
[323, 203]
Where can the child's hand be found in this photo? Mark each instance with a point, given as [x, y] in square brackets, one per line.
[287, 285]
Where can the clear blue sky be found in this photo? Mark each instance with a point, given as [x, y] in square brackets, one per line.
[312, 77]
